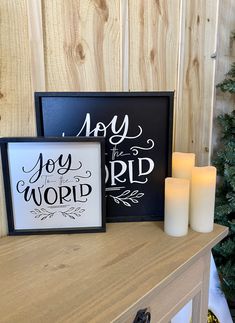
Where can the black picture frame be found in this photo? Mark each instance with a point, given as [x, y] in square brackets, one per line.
[64, 113]
[12, 148]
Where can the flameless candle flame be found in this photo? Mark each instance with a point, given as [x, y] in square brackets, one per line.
[202, 198]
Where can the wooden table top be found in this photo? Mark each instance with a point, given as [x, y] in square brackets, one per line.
[91, 277]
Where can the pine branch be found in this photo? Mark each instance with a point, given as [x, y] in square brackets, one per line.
[227, 125]
[228, 278]
[227, 85]
[224, 252]
[231, 72]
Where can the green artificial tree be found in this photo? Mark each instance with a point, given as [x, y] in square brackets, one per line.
[224, 252]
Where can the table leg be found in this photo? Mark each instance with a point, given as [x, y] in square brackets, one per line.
[200, 301]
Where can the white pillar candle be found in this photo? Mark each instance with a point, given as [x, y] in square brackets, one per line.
[182, 164]
[176, 206]
[202, 200]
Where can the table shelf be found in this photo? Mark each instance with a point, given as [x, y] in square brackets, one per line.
[105, 277]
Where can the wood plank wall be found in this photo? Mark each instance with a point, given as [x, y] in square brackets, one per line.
[224, 102]
[110, 45]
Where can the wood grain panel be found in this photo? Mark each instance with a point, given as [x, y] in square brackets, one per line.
[225, 102]
[16, 106]
[193, 118]
[82, 45]
[15, 98]
[36, 45]
[153, 47]
[124, 47]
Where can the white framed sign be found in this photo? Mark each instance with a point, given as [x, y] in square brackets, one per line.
[54, 185]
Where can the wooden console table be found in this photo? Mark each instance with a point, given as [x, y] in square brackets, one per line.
[105, 277]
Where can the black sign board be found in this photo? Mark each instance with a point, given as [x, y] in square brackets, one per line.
[138, 131]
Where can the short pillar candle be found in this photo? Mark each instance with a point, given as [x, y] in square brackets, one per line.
[202, 200]
[176, 206]
[182, 164]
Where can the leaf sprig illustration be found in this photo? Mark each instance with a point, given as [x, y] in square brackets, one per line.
[73, 212]
[42, 214]
[127, 196]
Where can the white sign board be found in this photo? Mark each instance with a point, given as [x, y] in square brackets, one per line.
[54, 184]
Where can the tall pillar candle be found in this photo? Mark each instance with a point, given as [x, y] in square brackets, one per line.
[176, 206]
[202, 200]
[182, 164]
